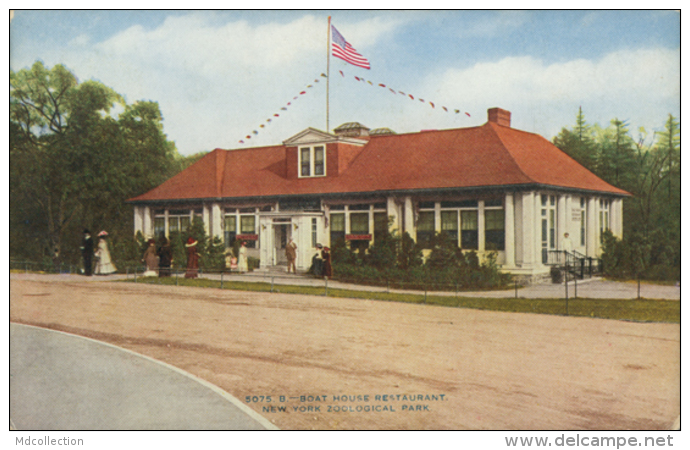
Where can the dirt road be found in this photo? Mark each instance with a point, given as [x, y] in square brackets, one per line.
[363, 364]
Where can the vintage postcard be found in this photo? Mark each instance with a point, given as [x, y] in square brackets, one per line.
[422, 220]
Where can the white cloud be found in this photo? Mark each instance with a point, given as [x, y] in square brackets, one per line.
[640, 85]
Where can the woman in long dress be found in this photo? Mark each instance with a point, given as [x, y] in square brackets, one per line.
[166, 258]
[192, 259]
[104, 265]
[150, 259]
[327, 267]
[242, 265]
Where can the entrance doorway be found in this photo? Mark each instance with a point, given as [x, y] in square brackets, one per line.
[282, 233]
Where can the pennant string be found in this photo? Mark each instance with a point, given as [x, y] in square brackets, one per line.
[284, 108]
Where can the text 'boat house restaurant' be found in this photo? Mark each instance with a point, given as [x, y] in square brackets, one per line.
[491, 188]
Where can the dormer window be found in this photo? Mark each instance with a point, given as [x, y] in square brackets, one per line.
[312, 161]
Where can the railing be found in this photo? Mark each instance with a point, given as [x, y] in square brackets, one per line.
[575, 263]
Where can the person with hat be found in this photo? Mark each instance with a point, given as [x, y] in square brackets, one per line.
[104, 265]
[327, 268]
[291, 255]
[150, 259]
[242, 263]
[165, 256]
[192, 258]
[87, 252]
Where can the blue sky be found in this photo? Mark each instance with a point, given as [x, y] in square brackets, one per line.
[219, 75]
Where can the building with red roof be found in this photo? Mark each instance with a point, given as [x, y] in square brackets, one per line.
[491, 188]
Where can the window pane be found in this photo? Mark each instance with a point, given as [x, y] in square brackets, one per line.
[319, 165]
[247, 224]
[449, 225]
[230, 231]
[359, 223]
[494, 219]
[159, 227]
[305, 162]
[337, 227]
[469, 235]
[449, 220]
[469, 220]
[582, 228]
[173, 224]
[338, 222]
[184, 223]
[426, 228]
[494, 237]
[426, 222]
[313, 232]
[380, 224]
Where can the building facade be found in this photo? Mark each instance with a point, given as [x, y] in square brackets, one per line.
[489, 189]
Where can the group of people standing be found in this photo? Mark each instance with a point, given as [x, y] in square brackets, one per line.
[159, 261]
[321, 262]
[101, 255]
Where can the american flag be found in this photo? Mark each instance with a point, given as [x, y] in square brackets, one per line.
[343, 50]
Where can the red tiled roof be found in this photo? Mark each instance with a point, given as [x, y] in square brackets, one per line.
[490, 155]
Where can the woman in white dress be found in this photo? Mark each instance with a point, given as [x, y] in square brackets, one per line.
[104, 265]
[242, 265]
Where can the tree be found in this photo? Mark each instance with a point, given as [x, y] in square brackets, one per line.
[72, 160]
[578, 143]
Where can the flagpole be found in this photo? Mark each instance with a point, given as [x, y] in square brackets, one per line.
[328, 75]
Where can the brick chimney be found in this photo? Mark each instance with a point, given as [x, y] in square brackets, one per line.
[499, 116]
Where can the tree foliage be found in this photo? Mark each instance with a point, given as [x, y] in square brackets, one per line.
[74, 160]
[648, 168]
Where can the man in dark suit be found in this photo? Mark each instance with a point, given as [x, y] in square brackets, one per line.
[87, 253]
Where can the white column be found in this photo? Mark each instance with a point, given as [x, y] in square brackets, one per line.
[562, 225]
[167, 225]
[617, 213]
[265, 241]
[409, 218]
[139, 220]
[147, 224]
[347, 220]
[509, 231]
[216, 217]
[206, 217]
[591, 227]
[528, 226]
[481, 232]
[393, 210]
[437, 217]
[536, 241]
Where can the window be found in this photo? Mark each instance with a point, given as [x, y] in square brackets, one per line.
[247, 226]
[583, 227]
[159, 227]
[425, 228]
[469, 230]
[312, 161]
[337, 228]
[583, 222]
[449, 225]
[380, 225]
[305, 163]
[230, 230]
[179, 220]
[319, 162]
[359, 224]
[603, 218]
[494, 224]
[314, 235]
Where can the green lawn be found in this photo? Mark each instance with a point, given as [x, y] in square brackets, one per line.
[642, 310]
